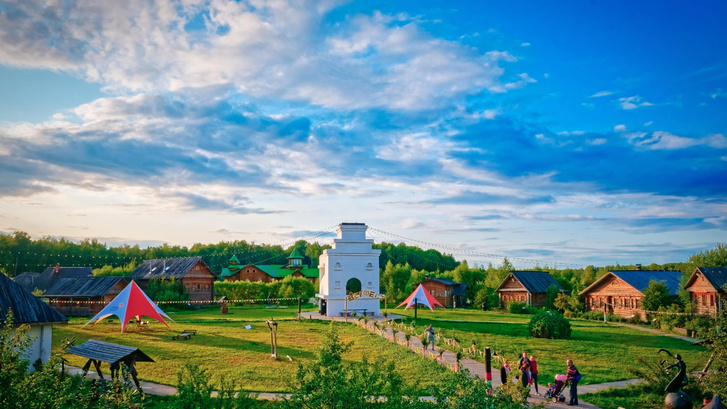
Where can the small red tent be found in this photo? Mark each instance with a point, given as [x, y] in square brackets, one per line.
[423, 297]
[132, 302]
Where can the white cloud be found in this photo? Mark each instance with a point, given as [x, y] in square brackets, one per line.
[271, 49]
[524, 80]
[601, 94]
[669, 141]
[718, 93]
[620, 128]
[648, 123]
[633, 102]
[525, 44]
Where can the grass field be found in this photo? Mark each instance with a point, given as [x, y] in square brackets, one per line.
[601, 352]
[225, 348]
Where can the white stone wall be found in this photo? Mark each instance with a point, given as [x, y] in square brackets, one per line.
[350, 257]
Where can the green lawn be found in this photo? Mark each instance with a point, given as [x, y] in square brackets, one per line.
[601, 352]
[225, 348]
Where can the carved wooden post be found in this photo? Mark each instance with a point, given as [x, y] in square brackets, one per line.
[273, 337]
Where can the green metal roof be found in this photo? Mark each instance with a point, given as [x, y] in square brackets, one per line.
[296, 254]
[278, 271]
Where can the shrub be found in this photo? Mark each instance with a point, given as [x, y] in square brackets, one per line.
[549, 324]
[514, 307]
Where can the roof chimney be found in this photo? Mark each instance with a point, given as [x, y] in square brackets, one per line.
[57, 269]
[638, 267]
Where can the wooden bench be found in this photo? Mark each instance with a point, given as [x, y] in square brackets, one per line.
[190, 331]
[183, 335]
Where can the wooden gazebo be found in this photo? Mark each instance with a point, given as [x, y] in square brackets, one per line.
[99, 351]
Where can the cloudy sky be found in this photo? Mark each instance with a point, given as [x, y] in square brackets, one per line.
[573, 132]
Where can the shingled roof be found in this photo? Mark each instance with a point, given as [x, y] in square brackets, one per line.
[164, 268]
[717, 276]
[83, 287]
[27, 308]
[108, 352]
[534, 281]
[50, 276]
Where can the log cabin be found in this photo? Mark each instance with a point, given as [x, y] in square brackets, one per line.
[529, 287]
[267, 273]
[196, 277]
[450, 294]
[93, 293]
[622, 292]
[706, 287]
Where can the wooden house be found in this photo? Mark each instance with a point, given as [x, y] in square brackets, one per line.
[622, 292]
[450, 294]
[267, 273]
[197, 279]
[92, 293]
[31, 310]
[529, 287]
[50, 276]
[706, 288]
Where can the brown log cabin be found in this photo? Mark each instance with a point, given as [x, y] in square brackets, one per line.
[706, 288]
[529, 287]
[622, 292]
[92, 292]
[196, 277]
[450, 294]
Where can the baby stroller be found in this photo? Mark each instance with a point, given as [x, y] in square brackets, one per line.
[554, 391]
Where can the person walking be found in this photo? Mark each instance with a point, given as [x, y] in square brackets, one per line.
[573, 376]
[430, 332]
[504, 372]
[524, 372]
[534, 373]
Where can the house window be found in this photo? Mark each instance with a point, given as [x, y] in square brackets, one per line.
[199, 286]
[370, 284]
[369, 266]
[337, 284]
[522, 298]
[711, 300]
[338, 266]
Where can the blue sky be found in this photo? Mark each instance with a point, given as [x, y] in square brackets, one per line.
[562, 132]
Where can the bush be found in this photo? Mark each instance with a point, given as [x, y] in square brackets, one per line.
[549, 324]
[514, 307]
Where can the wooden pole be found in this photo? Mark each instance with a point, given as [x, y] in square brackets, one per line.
[416, 307]
[488, 370]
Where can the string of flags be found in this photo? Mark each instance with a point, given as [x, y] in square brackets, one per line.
[252, 300]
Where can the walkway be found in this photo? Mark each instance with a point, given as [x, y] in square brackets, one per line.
[477, 368]
[655, 331]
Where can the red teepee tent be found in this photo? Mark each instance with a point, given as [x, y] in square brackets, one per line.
[423, 297]
[132, 302]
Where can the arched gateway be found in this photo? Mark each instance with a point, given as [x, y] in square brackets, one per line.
[351, 266]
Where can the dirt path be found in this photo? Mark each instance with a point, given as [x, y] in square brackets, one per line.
[655, 331]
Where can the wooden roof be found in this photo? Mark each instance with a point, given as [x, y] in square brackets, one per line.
[108, 352]
[458, 289]
[166, 268]
[83, 287]
[49, 277]
[533, 281]
[27, 308]
[716, 276]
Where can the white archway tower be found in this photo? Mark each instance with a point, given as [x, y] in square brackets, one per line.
[352, 257]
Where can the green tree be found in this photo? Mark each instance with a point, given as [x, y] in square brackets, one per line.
[716, 257]
[657, 295]
[550, 296]
[495, 276]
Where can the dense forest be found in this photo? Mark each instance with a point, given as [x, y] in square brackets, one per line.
[402, 266]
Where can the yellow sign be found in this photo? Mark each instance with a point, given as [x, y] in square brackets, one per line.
[355, 296]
